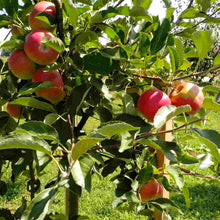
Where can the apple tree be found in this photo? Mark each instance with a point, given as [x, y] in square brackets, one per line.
[76, 62]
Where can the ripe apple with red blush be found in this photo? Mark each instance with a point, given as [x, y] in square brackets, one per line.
[187, 93]
[15, 111]
[151, 101]
[37, 51]
[20, 65]
[150, 191]
[41, 7]
[53, 95]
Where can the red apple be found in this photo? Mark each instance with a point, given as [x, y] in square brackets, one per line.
[41, 7]
[151, 101]
[150, 191]
[20, 65]
[15, 111]
[187, 93]
[37, 51]
[53, 95]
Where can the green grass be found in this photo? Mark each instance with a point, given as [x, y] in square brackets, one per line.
[204, 193]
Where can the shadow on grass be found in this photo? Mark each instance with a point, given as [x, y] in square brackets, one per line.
[13, 190]
[205, 203]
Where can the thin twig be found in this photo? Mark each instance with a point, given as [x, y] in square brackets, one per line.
[197, 74]
[190, 173]
[149, 134]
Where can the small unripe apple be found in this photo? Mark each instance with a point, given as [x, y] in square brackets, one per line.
[37, 51]
[20, 65]
[15, 111]
[187, 93]
[150, 191]
[41, 7]
[53, 95]
[151, 101]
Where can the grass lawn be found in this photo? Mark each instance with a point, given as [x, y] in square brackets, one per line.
[204, 193]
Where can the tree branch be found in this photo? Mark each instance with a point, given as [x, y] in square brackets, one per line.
[59, 18]
[149, 134]
[190, 173]
[197, 74]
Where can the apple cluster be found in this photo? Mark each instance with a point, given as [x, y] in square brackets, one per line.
[28, 63]
[183, 93]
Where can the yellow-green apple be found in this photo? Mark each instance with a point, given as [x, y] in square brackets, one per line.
[55, 94]
[15, 111]
[150, 191]
[37, 51]
[187, 93]
[151, 101]
[20, 65]
[41, 7]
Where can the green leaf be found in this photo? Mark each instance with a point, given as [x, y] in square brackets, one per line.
[40, 205]
[99, 4]
[12, 44]
[51, 118]
[38, 129]
[175, 173]
[33, 103]
[203, 41]
[109, 32]
[142, 3]
[46, 18]
[210, 105]
[180, 50]
[186, 195]
[83, 145]
[211, 139]
[55, 43]
[149, 143]
[217, 60]
[186, 159]
[167, 3]
[174, 58]
[76, 99]
[165, 113]
[189, 13]
[211, 88]
[21, 141]
[164, 204]
[33, 87]
[140, 12]
[128, 104]
[204, 4]
[71, 11]
[160, 36]
[81, 169]
[85, 37]
[127, 141]
[115, 128]
[96, 63]
[145, 174]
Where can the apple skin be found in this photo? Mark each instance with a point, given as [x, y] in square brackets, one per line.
[150, 191]
[151, 101]
[20, 65]
[54, 95]
[37, 51]
[15, 111]
[46, 7]
[187, 93]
